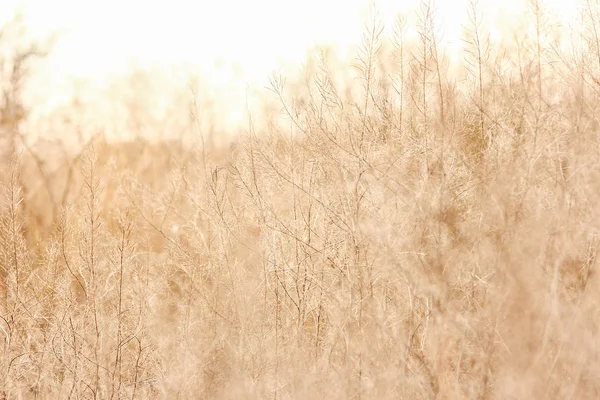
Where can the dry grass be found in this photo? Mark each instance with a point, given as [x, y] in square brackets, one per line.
[406, 236]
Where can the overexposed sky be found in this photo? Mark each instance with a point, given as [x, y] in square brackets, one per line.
[231, 42]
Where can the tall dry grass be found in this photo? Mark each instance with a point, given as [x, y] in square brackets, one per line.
[402, 234]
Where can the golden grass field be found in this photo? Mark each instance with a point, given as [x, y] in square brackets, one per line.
[400, 234]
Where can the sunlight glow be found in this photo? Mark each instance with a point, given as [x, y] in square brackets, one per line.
[232, 43]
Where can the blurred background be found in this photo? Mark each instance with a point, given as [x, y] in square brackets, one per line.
[110, 52]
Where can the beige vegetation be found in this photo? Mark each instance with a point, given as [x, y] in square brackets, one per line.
[405, 236]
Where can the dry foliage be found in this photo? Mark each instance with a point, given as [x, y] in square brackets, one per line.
[404, 236]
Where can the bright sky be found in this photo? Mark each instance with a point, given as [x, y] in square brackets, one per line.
[232, 42]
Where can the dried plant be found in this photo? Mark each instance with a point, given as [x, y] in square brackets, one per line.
[392, 233]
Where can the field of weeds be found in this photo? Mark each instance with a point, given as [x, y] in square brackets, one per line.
[400, 234]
